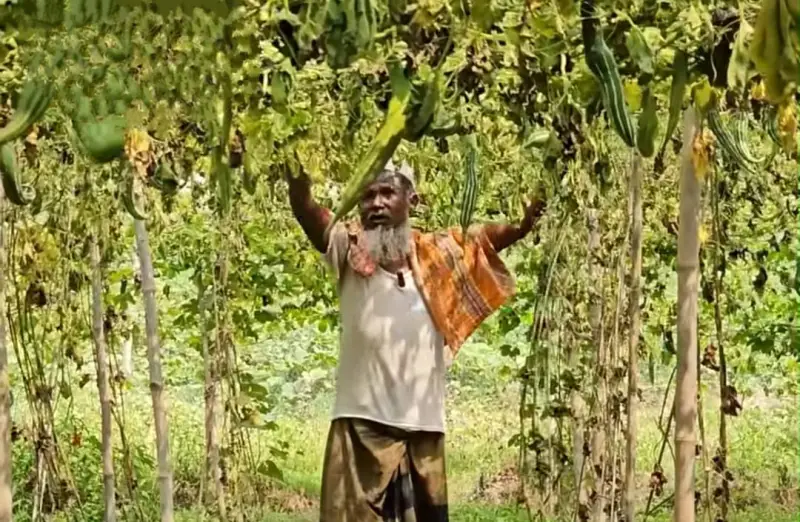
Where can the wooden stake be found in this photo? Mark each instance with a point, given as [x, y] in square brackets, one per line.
[688, 282]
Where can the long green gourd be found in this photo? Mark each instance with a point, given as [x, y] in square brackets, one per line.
[740, 136]
[127, 195]
[772, 127]
[9, 172]
[601, 62]
[676, 94]
[727, 142]
[470, 196]
[382, 147]
[33, 103]
[648, 124]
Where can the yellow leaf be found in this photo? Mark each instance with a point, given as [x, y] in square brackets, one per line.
[137, 150]
[138, 142]
[701, 150]
[702, 235]
[32, 135]
[633, 94]
[703, 94]
[787, 124]
[759, 91]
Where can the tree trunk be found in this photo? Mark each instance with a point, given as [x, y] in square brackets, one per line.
[688, 280]
[601, 375]
[634, 312]
[101, 360]
[5, 387]
[154, 364]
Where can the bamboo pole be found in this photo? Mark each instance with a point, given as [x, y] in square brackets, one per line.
[101, 360]
[705, 504]
[723, 365]
[688, 281]
[211, 380]
[634, 314]
[598, 443]
[613, 356]
[5, 388]
[165, 483]
[218, 359]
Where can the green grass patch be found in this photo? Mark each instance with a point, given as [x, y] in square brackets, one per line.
[482, 416]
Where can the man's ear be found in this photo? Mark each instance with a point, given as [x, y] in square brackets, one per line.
[413, 199]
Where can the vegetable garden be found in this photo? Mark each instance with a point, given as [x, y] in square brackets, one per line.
[147, 242]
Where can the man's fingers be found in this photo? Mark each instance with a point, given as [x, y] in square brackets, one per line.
[534, 202]
[287, 172]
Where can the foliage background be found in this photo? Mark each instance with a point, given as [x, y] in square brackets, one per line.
[515, 67]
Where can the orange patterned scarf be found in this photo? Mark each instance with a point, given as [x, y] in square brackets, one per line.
[461, 282]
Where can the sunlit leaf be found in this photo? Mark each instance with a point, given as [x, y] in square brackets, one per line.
[640, 50]
[739, 65]
[632, 92]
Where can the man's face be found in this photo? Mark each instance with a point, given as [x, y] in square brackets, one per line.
[386, 203]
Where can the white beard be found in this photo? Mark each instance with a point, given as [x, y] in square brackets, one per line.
[387, 244]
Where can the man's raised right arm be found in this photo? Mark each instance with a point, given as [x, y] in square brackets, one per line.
[313, 217]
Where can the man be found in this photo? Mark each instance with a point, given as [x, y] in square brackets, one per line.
[408, 301]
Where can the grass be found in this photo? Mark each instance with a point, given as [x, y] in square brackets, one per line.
[482, 416]
[462, 513]
[762, 441]
[477, 444]
[763, 447]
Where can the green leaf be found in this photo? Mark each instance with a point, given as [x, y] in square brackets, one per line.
[676, 96]
[270, 469]
[264, 316]
[255, 390]
[641, 53]
[739, 65]
[509, 351]
[482, 13]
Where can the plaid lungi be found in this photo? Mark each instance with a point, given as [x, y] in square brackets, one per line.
[378, 473]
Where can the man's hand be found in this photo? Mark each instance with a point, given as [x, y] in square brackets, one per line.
[533, 212]
[503, 236]
[297, 178]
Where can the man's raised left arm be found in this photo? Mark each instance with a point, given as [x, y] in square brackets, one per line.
[503, 235]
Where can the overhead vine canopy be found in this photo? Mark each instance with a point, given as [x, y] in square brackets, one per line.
[527, 56]
[516, 66]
